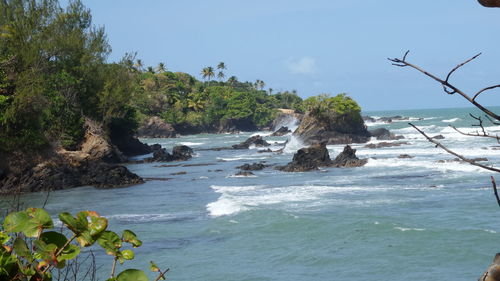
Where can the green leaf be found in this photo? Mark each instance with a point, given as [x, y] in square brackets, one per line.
[110, 241]
[97, 225]
[70, 252]
[44, 251]
[72, 223]
[52, 237]
[128, 254]
[153, 267]
[130, 237]
[15, 222]
[4, 238]
[21, 249]
[40, 217]
[132, 275]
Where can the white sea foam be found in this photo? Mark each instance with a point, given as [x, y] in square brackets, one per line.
[294, 144]
[409, 229]
[451, 120]
[188, 143]
[140, 218]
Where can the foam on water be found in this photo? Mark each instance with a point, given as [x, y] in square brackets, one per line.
[294, 144]
[451, 120]
[188, 143]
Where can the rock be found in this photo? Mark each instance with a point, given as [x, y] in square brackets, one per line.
[492, 273]
[385, 144]
[178, 173]
[160, 155]
[405, 156]
[307, 159]
[281, 132]
[384, 134]
[182, 153]
[255, 140]
[332, 128]
[104, 175]
[264, 150]
[369, 119]
[252, 167]
[244, 174]
[155, 127]
[283, 119]
[479, 159]
[97, 146]
[438, 137]
[347, 158]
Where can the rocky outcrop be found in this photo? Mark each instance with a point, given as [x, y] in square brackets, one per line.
[332, 128]
[244, 174]
[347, 158]
[438, 137]
[155, 127]
[384, 134]
[252, 167]
[281, 132]
[97, 146]
[405, 156]
[286, 120]
[308, 158]
[492, 273]
[255, 140]
[386, 144]
[179, 153]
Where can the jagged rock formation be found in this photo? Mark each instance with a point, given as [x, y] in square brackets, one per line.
[179, 153]
[332, 128]
[384, 134]
[281, 132]
[348, 158]
[155, 127]
[386, 144]
[255, 140]
[252, 167]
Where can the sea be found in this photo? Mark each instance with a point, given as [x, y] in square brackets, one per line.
[422, 218]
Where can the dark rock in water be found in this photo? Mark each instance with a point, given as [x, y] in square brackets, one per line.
[178, 173]
[179, 153]
[405, 156]
[264, 150]
[479, 159]
[244, 174]
[384, 134]
[308, 158]
[368, 119]
[255, 140]
[492, 273]
[348, 158]
[182, 153]
[385, 119]
[155, 127]
[252, 167]
[110, 176]
[155, 147]
[438, 137]
[385, 144]
[281, 132]
[332, 128]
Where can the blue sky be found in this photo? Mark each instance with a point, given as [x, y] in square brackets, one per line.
[317, 46]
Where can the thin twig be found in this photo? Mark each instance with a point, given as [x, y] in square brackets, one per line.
[162, 274]
[493, 182]
[460, 65]
[438, 144]
[447, 86]
[484, 90]
[475, 135]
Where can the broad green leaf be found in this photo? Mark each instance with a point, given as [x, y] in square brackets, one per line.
[97, 225]
[110, 241]
[15, 222]
[40, 217]
[85, 239]
[130, 237]
[71, 223]
[69, 253]
[52, 237]
[44, 251]
[132, 275]
[128, 254]
[21, 249]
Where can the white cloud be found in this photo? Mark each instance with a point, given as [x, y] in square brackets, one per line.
[304, 65]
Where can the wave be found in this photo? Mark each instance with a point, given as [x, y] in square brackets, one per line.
[294, 143]
[451, 120]
[144, 218]
[403, 229]
[192, 143]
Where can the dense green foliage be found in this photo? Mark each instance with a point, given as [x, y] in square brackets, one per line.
[53, 74]
[31, 250]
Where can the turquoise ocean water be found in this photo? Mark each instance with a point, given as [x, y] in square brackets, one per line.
[393, 219]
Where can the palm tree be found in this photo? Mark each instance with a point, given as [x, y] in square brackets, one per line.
[207, 73]
[259, 84]
[161, 67]
[270, 91]
[221, 66]
[232, 80]
[220, 75]
[151, 70]
[139, 65]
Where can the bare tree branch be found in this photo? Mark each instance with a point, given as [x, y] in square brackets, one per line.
[447, 86]
[493, 182]
[476, 135]
[438, 144]
[484, 90]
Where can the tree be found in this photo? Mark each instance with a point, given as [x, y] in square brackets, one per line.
[207, 73]
[232, 80]
[139, 65]
[161, 67]
[220, 75]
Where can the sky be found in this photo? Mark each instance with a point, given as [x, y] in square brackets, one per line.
[317, 46]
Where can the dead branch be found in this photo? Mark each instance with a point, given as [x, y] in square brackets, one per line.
[447, 86]
[493, 182]
[475, 135]
[438, 144]
[480, 120]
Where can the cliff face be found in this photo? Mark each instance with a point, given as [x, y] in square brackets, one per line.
[95, 163]
[332, 128]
